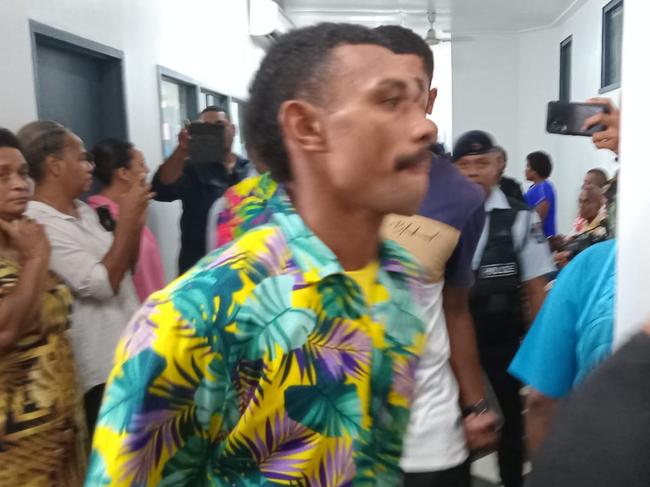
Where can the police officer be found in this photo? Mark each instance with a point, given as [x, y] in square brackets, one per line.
[511, 261]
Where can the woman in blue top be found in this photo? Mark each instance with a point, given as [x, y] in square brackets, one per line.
[541, 195]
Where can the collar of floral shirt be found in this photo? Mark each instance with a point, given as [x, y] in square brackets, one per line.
[316, 261]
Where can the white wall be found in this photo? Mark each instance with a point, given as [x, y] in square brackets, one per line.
[634, 197]
[485, 87]
[206, 40]
[502, 84]
[442, 113]
[539, 61]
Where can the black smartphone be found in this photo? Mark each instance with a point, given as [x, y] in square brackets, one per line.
[105, 218]
[207, 142]
[567, 118]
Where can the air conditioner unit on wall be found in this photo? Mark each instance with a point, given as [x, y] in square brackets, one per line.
[267, 20]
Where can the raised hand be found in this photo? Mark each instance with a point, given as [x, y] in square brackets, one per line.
[28, 238]
[608, 138]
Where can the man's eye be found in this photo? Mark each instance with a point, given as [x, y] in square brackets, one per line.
[392, 102]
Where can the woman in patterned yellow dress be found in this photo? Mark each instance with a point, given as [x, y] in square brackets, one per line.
[42, 431]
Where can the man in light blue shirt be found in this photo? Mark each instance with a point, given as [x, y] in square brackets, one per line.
[571, 335]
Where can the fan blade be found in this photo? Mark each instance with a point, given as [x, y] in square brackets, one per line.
[461, 38]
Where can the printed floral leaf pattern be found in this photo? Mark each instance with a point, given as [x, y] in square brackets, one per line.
[337, 469]
[267, 321]
[187, 467]
[331, 409]
[340, 349]
[126, 395]
[340, 297]
[264, 366]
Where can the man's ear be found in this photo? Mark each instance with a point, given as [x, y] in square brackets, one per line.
[302, 126]
[433, 94]
[53, 165]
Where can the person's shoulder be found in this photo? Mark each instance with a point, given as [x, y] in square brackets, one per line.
[86, 212]
[472, 194]
[401, 260]
[258, 186]
[595, 256]
[247, 203]
[206, 299]
[95, 201]
[83, 206]
[241, 160]
[257, 254]
[250, 247]
[452, 198]
[588, 264]
[245, 165]
[548, 184]
[36, 208]
[511, 186]
[518, 205]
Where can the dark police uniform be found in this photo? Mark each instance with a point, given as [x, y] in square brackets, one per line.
[512, 250]
[200, 185]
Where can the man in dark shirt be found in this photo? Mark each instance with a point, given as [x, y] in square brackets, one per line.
[198, 185]
[600, 436]
[441, 434]
[510, 187]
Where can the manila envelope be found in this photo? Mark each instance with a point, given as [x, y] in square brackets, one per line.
[430, 241]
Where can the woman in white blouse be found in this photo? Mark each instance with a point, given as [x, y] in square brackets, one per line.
[93, 262]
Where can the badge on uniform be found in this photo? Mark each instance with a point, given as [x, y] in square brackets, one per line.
[537, 232]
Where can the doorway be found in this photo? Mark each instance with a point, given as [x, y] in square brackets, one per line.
[79, 83]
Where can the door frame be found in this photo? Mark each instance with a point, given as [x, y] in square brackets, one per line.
[73, 43]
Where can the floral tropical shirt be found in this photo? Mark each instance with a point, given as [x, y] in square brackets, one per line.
[245, 207]
[265, 364]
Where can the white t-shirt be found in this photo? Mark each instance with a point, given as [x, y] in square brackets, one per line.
[436, 438]
[98, 315]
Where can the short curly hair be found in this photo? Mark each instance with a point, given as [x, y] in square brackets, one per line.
[540, 162]
[404, 41]
[296, 67]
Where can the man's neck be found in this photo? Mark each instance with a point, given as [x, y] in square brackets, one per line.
[55, 198]
[353, 236]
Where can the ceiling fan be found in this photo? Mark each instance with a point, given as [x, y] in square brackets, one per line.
[433, 37]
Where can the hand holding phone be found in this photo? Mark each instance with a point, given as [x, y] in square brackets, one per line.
[184, 138]
[607, 138]
[567, 118]
[206, 142]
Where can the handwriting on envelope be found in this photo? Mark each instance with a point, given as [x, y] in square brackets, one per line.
[430, 241]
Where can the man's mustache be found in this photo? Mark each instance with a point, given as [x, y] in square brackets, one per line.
[410, 160]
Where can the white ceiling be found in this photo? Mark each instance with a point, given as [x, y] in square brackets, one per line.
[457, 16]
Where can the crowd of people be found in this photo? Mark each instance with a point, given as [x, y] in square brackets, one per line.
[355, 305]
